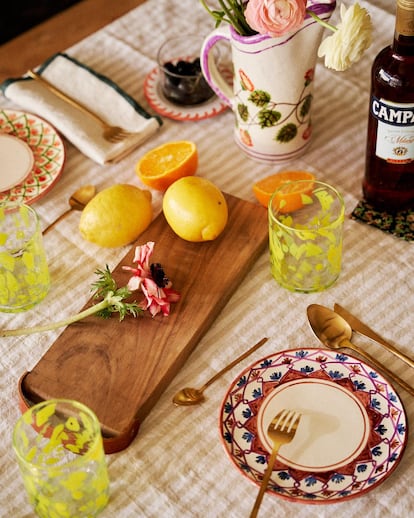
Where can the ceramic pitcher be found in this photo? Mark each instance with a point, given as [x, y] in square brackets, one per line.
[272, 89]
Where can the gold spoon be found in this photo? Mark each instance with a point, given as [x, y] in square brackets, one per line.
[192, 396]
[335, 332]
[77, 201]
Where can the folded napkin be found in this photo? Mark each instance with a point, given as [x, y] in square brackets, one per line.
[401, 223]
[91, 89]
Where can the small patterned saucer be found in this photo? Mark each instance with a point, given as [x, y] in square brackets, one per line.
[161, 105]
[48, 155]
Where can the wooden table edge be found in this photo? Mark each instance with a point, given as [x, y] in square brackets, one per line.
[58, 33]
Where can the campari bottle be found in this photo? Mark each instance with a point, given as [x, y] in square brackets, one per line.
[389, 173]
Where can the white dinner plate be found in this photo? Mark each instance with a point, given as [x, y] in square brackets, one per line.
[352, 432]
[48, 155]
[163, 106]
[16, 161]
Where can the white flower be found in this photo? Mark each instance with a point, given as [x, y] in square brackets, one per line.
[350, 39]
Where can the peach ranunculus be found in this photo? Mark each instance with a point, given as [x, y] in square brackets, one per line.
[275, 17]
[350, 38]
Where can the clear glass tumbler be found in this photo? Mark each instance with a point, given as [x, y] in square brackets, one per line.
[305, 235]
[59, 449]
[24, 274]
[181, 79]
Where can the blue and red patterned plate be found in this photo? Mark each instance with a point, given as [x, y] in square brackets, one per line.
[352, 433]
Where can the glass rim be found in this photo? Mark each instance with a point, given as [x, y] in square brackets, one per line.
[184, 55]
[94, 421]
[338, 220]
[14, 207]
[11, 206]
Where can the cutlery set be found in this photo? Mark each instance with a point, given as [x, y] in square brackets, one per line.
[334, 332]
[363, 329]
[334, 329]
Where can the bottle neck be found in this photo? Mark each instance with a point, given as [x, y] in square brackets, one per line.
[404, 28]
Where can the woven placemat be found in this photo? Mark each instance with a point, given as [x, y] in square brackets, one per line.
[401, 223]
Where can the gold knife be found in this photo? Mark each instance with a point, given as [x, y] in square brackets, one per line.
[362, 328]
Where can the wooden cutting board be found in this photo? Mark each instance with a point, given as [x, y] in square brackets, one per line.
[120, 369]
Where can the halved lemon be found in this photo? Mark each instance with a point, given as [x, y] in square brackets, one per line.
[264, 188]
[162, 166]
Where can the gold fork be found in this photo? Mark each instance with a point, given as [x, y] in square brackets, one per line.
[111, 133]
[281, 431]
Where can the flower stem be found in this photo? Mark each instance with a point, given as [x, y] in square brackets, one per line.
[322, 22]
[54, 325]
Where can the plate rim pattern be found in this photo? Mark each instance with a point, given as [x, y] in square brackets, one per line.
[240, 407]
[48, 150]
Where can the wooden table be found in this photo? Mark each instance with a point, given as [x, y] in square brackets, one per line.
[58, 33]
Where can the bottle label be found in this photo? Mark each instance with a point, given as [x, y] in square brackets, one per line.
[395, 134]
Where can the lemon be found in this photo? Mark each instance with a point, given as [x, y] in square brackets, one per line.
[195, 209]
[116, 216]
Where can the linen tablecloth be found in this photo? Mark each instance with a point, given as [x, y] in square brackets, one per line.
[177, 467]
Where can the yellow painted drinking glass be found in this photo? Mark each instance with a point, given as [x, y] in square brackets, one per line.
[24, 274]
[305, 235]
[59, 449]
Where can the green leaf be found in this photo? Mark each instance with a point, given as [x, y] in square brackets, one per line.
[268, 118]
[243, 112]
[287, 133]
[260, 98]
[305, 106]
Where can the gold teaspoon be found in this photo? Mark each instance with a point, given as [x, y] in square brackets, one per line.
[192, 396]
[335, 332]
[77, 201]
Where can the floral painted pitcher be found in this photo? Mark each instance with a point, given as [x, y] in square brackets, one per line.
[272, 90]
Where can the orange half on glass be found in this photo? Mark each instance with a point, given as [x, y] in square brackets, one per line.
[291, 198]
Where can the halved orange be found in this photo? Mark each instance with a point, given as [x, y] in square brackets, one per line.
[163, 165]
[264, 188]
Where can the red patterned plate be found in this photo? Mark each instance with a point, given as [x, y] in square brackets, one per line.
[48, 152]
[351, 436]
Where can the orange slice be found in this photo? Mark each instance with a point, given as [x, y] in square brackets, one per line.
[264, 188]
[163, 165]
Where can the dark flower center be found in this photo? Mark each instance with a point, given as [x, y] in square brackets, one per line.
[158, 275]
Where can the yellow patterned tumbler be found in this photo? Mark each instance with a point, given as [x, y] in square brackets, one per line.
[59, 449]
[305, 235]
[24, 274]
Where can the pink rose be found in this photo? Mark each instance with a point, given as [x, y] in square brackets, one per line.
[275, 17]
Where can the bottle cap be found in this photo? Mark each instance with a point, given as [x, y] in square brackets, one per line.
[405, 18]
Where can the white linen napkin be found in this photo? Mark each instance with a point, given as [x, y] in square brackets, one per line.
[93, 90]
